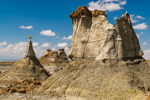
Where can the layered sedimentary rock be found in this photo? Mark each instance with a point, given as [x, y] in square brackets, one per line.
[28, 67]
[54, 61]
[94, 37]
[130, 45]
[98, 81]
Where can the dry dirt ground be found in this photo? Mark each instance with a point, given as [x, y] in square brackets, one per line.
[18, 96]
[148, 62]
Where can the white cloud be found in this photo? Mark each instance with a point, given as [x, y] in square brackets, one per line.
[110, 5]
[123, 2]
[140, 26]
[110, 0]
[139, 17]
[137, 36]
[132, 20]
[47, 33]
[35, 44]
[67, 50]
[144, 43]
[46, 44]
[115, 17]
[62, 44]
[67, 38]
[26, 27]
[141, 33]
[17, 51]
[3, 43]
[56, 37]
[54, 48]
[13, 51]
[146, 54]
[39, 51]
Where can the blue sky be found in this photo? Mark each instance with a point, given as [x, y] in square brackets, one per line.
[47, 21]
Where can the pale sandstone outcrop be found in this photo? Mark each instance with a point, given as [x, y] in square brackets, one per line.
[94, 37]
[27, 67]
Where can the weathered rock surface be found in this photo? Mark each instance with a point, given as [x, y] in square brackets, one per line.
[94, 37]
[27, 67]
[99, 81]
[54, 61]
[24, 86]
[85, 11]
[130, 47]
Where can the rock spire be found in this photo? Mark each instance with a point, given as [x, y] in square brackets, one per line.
[30, 51]
[28, 67]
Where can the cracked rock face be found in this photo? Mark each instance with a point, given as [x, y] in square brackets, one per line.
[94, 37]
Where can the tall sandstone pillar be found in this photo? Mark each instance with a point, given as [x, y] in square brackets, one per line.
[94, 38]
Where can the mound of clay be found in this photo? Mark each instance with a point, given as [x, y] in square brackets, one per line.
[54, 61]
[24, 86]
[28, 67]
[85, 11]
[101, 81]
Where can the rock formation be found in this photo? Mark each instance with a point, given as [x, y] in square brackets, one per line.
[94, 37]
[54, 61]
[30, 52]
[28, 67]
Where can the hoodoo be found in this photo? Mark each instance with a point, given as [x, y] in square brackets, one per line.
[30, 52]
[28, 67]
[94, 38]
